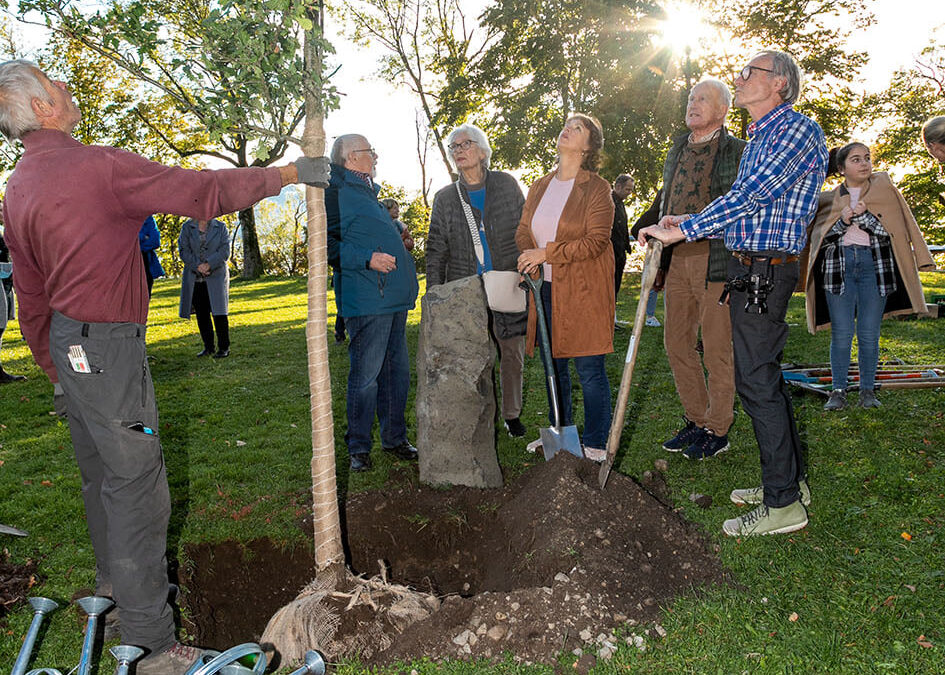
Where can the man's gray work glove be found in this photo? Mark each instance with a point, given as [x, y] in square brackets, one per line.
[59, 401]
[313, 171]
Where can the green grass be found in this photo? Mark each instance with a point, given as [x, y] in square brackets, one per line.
[236, 437]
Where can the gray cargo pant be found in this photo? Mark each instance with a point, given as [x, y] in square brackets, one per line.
[124, 483]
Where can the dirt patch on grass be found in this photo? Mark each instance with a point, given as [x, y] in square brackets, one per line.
[548, 563]
[15, 583]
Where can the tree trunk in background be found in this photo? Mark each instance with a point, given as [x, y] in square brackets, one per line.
[252, 257]
[328, 544]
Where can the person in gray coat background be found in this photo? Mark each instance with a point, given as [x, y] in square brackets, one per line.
[205, 284]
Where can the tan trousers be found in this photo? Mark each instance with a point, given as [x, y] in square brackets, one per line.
[707, 400]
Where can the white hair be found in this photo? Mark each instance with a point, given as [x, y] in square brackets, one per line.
[725, 94]
[19, 85]
[476, 135]
[785, 66]
[342, 147]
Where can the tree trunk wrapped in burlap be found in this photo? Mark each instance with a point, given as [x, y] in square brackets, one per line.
[455, 388]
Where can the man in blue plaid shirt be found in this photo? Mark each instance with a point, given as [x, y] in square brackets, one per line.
[764, 218]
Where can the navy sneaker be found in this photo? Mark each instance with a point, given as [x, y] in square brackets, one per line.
[685, 437]
[708, 445]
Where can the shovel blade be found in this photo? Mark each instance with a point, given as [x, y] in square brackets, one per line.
[556, 439]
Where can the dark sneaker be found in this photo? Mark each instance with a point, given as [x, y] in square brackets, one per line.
[360, 462]
[708, 445]
[515, 428]
[7, 377]
[685, 437]
[176, 660]
[868, 399]
[837, 400]
[756, 495]
[403, 451]
[767, 520]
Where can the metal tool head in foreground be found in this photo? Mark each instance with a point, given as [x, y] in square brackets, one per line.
[556, 439]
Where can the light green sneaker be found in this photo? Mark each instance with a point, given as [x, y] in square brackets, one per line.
[767, 520]
[755, 495]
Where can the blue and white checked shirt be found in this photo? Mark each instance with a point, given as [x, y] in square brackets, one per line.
[775, 194]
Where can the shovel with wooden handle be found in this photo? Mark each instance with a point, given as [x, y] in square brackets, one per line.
[651, 264]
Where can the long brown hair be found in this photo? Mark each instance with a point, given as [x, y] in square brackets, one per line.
[591, 159]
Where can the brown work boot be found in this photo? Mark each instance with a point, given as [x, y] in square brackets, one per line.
[175, 660]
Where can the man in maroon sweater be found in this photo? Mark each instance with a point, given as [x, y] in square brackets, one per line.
[72, 215]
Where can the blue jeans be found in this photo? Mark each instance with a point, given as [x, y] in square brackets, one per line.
[378, 379]
[651, 303]
[594, 385]
[861, 303]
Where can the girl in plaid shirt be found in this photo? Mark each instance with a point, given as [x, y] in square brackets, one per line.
[866, 253]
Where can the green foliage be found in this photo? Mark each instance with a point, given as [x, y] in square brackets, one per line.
[232, 72]
[415, 214]
[283, 234]
[553, 58]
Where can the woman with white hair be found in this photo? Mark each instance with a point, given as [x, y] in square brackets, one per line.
[491, 203]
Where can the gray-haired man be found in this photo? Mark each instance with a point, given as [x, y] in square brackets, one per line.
[72, 214]
[700, 166]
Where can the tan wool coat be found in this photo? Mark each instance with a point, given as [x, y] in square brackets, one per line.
[582, 260]
[910, 251]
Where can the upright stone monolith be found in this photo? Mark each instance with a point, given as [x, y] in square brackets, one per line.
[455, 388]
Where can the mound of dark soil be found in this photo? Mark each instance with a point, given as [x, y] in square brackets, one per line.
[548, 563]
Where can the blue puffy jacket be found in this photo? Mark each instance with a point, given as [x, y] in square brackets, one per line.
[358, 227]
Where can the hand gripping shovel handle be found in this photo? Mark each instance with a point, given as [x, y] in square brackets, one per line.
[535, 286]
[651, 265]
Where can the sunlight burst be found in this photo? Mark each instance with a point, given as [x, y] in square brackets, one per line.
[684, 27]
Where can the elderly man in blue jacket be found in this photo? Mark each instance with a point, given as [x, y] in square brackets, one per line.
[378, 286]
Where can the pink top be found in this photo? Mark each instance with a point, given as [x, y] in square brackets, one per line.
[548, 213]
[72, 213]
[854, 236]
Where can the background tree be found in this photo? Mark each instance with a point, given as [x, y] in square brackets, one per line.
[914, 95]
[432, 46]
[231, 72]
[554, 57]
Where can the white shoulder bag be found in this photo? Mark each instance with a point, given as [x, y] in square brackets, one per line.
[502, 287]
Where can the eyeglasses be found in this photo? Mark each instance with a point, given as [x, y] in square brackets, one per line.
[465, 145]
[371, 150]
[746, 71]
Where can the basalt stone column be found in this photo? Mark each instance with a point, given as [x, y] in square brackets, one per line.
[455, 390]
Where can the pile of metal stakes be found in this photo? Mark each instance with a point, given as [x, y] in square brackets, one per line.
[229, 662]
[818, 379]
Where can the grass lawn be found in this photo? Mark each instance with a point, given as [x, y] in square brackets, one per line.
[861, 590]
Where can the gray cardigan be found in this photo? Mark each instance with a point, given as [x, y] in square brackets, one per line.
[449, 249]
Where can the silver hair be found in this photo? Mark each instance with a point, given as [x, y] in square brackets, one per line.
[342, 147]
[19, 85]
[725, 94]
[933, 131]
[785, 66]
[475, 134]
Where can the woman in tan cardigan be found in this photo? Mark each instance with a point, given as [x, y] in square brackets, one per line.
[866, 253]
[565, 231]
